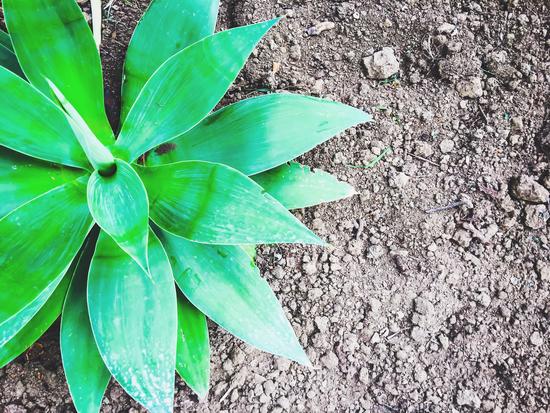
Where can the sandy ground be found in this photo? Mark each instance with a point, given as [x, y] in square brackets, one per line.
[413, 309]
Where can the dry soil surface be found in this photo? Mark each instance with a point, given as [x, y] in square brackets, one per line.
[413, 309]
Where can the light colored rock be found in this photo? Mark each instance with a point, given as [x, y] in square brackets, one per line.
[536, 216]
[320, 28]
[446, 28]
[423, 149]
[470, 88]
[382, 64]
[527, 189]
[469, 398]
[446, 145]
[543, 269]
[536, 339]
[330, 360]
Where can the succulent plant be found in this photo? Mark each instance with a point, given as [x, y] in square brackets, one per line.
[135, 239]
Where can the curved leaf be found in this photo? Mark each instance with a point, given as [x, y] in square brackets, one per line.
[62, 50]
[224, 283]
[260, 133]
[297, 186]
[193, 355]
[32, 124]
[184, 22]
[134, 321]
[86, 374]
[38, 242]
[38, 325]
[23, 178]
[9, 61]
[215, 204]
[120, 207]
[187, 87]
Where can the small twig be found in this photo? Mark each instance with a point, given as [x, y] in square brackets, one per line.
[445, 208]
[424, 159]
[482, 113]
[226, 394]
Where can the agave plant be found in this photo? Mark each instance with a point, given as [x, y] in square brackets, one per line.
[135, 240]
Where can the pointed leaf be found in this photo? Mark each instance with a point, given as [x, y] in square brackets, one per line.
[297, 186]
[119, 205]
[85, 371]
[23, 178]
[224, 283]
[193, 356]
[31, 124]
[215, 204]
[38, 242]
[38, 325]
[134, 321]
[184, 22]
[187, 87]
[260, 133]
[5, 40]
[9, 61]
[63, 50]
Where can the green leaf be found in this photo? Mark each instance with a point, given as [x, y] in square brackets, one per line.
[9, 60]
[224, 283]
[184, 22]
[215, 204]
[134, 321]
[31, 124]
[38, 325]
[23, 178]
[297, 186]
[120, 207]
[5, 40]
[85, 371]
[38, 242]
[193, 356]
[187, 87]
[250, 250]
[62, 50]
[260, 133]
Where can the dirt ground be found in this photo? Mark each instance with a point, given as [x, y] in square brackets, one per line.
[412, 309]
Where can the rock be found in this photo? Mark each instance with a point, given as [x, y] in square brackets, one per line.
[483, 299]
[446, 28]
[446, 146]
[423, 149]
[322, 323]
[400, 180]
[470, 88]
[382, 64]
[462, 238]
[420, 374]
[536, 216]
[375, 251]
[536, 339]
[543, 269]
[418, 334]
[295, 52]
[527, 189]
[355, 247]
[320, 28]
[423, 306]
[330, 360]
[469, 398]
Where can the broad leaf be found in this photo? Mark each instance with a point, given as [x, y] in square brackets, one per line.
[9, 61]
[38, 325]
[85, 371]
[215, 204]
[32, 124]
[224, 284]
[297, 186]
[193, 356]
[134, 321]
[23, 178]
[187, 87]
[260, 133]
[184, 22]
[62, 50]
[38, 242]
[120, 207]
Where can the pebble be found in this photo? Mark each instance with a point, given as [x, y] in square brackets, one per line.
[330, 360]
[536, 216]
[382, 64]
[543, 269]
[527, 189]
[423, 149]
[536, 339]
[446, 145]
[446, 28]
[320, 28]
[470, 88]
[420, 374]
[322, 323]
[469, 398]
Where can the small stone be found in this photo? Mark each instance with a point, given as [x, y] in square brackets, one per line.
[295, 52]
[527, 189]
[330, 360]
[284, 403]
[418, 334]
[469, 398]
[420, 374]
[470, 88]
[322, 324]
[543, 269]
[462, 238]
[536, 339]
[483, 299]
[423, 306]
[446, 28]
[320, 28]
[423, 149]
[382, 64]
[446, 145]
[536, 216]
[400, 180]
[444, 341]
[314, 294]
[355, 247]
[310, 268]
[376, 251]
